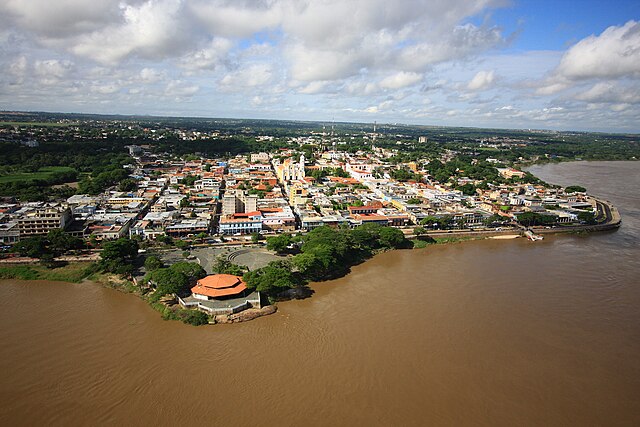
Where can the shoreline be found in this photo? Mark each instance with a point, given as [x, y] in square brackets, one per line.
[168, 312]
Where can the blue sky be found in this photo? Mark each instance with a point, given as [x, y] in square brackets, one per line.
[493, 63]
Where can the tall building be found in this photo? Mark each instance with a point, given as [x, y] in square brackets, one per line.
[290, 170]
[237, 201]
[42, 220]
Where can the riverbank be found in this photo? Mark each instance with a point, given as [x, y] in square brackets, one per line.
[608, 218]
[74, 272]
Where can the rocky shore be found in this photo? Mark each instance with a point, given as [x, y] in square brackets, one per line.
[244, 316]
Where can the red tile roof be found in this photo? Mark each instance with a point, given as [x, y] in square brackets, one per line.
[219, 285]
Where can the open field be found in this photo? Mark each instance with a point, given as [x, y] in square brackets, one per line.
[43, 173]
[71, 272]
[40, 124]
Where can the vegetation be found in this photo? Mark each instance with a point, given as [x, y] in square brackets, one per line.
[54, 244]
[175, 279]
[117, 256]
[190, 317]
[279, 243]
[575, 189]
[272, 279]
[222, 265]
[153, 263]
[529, 219]
[69, 272]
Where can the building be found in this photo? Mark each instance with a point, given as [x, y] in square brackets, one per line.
[510, 173]
[42, 220]
[259, 158]
[241, 223]
[290, 170]
[238, 202]
[221, 294]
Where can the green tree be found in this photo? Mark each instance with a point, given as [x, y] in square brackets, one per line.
[117, 256]
[529, 219]
[587, 217]
[222, 265]
[419, 231]
[279, 243]
[168, 281]
[192, 270]
[127, 185]
[272, 279]
[153, 263]
[575, 189]
[181, 244]
[61, 242]
[392, 237]
[32, 247]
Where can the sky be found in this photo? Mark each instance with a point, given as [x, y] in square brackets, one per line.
[566, 65]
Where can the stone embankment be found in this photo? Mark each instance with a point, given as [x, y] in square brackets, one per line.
[246, 315]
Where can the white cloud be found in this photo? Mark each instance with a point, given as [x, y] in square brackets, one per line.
[608, 92]
[180, 89]
[209, 57]
[150, 30]
[60, 18]
[150, 75]
[251, 76]
[400, 80]
[614, 53]
[481, 81]
[51, 71]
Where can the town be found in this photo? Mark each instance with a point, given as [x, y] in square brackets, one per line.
[279, 189]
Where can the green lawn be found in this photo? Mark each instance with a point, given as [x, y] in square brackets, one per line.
[43, 173]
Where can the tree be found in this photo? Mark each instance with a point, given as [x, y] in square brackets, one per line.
[222, 265]
[467, 189]
[181, 244]
[308, 264]
[153, 263]
[192, 270]
[167, 281]
[529, 219]
[392, 237]
[272, 279]
[587, 217]
[414, 201]
[279, 243]
[117, 256]
[256, 237]
[32, 247]
[121, 249]
[61, 242]
[127, 185]
[575, 189]
[418, 231]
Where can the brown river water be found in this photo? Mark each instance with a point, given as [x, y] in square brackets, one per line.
[496, 333]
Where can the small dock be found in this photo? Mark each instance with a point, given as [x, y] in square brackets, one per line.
[532, 236]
